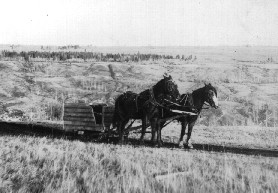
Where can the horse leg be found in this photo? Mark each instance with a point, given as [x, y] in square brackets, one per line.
[126, 136]
[121, 136]
[144, 127]
[183, 127]
[153, 127]
[158, 128]
[121, 131]
[115, 124]
[161, 127]
[125, 133]
[187, 144]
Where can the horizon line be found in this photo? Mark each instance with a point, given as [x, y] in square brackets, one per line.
[89, 45]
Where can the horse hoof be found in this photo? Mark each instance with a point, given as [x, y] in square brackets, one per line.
[121, 143]
[159, 144]
[141, 143]
[128, 143]
[181, 145]
[188, 146]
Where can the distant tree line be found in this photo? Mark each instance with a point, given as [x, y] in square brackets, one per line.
[63, 56]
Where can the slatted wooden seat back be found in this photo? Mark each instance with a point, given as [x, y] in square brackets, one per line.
[81, 116]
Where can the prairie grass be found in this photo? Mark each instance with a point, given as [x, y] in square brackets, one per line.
[243, 136]
[231, 136]
[30, 164]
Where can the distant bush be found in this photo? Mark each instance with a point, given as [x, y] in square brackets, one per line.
[28, 67]
[17, 93]
[16, 113]
[210, 117]
[3, 108]
[29, 79]
[54, 111]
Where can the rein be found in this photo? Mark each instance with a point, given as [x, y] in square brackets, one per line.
[167, 108]
[208, 105]
[205, 103]
[154, 102]
[186, 95]
[173, 103]
[152, 98]
[177, 103]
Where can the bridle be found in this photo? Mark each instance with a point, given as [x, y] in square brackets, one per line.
[170, 86]
[209, 100]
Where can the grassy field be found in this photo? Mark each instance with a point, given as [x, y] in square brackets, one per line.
[30, 164]
[246, 81]
[240, 136]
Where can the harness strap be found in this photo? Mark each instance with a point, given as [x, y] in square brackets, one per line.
[183, 97]
[186, 98]
[154, 102]
[173, 103]
[151, 99]
[136, 102]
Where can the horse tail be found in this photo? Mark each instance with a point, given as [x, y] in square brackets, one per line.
[116, 115]
[114, 119]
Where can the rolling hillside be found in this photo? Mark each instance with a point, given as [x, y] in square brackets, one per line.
[246, 79]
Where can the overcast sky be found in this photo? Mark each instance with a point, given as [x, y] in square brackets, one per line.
[139, 22]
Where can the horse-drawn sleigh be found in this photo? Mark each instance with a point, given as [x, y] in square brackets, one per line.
[155, 107]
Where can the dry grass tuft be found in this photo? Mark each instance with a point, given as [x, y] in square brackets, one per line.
[31, 164]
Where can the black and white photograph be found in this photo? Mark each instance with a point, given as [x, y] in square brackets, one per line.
[139, 96]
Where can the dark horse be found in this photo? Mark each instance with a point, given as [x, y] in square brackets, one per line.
[130, 105]
[192, 102]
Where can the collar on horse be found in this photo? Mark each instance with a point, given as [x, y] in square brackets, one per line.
[183, 102]
[154, 102]
[152, 98]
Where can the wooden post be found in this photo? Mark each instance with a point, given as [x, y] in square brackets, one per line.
[95, 85]
[63, 106]
[267, 116]
[51, 112]
[91, 84]
[274, 114]
[257, 114]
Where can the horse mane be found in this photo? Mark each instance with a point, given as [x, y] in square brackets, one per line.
[198, 90]
[207, 86]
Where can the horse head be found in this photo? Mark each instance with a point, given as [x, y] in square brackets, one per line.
[169, 88]
[166, 87]
[211, 96]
